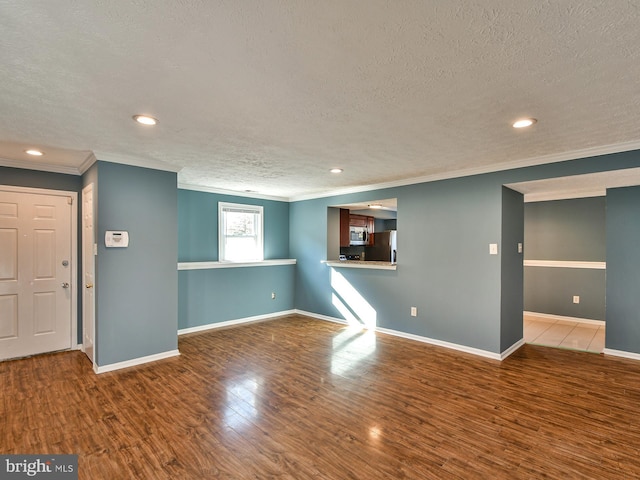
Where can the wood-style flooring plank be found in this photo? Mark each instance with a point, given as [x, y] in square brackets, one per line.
[298, 398]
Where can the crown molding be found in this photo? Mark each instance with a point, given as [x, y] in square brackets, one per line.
[87, 163]
[564, 195]
[522, 163]
[138, 162]
[222, 191]
[44, 167]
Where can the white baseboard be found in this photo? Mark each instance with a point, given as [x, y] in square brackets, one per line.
[550, 316]
[621, 353]
[327, 318]
[322, 317]
[512, 349]
[239, 321]
[134, 361]
[441, 343]
[431, 341]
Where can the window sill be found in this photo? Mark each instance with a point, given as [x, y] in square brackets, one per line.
[209, 265]
[361, 264]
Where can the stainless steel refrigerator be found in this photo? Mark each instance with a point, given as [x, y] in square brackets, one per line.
[383, 248]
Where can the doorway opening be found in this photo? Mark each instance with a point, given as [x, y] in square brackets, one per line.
[564, 273]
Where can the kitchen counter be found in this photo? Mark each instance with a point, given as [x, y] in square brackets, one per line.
[361, 264]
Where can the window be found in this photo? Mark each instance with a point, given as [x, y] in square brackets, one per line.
[240, 237]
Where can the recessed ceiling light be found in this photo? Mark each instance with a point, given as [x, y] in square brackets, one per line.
[34, 152]
[376, 206]
[524, 123]
[336, 170]
[145, 119]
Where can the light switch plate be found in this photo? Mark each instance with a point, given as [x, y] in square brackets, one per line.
[493, 249]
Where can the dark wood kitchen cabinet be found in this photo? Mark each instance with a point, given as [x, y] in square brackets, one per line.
[358, 220]
[362, 221]
[345, 239]
[347, 220]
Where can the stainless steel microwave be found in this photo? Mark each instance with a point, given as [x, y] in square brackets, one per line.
[358, 235]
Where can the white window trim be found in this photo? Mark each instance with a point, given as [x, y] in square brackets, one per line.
[258, 209]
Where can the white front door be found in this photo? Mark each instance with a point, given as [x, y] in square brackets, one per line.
[88, 265]
[35, 273]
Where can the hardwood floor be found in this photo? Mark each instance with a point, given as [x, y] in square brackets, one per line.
[300, 398]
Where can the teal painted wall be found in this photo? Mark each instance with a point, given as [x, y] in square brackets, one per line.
[565, 230]
[52, 181]
[444, 266]
[444, 269]
[511, 274]
[136, 287]
[551, 291]
[218, 295]
[623, 269]
[198, 225]
[222, 294]
[36, 179]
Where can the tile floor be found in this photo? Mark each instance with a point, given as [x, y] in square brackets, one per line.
[563, 334]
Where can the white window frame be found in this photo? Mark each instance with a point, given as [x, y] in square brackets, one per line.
[224, 207]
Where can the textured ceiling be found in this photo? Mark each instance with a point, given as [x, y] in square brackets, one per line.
[267, 96]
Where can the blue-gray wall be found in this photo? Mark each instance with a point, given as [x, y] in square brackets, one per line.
[136, 287]
[52, 181]
[623, 269]
[221, 294]
[511, 278]
[198, 225]
[36, 179]
[444, 269]
[565, 230]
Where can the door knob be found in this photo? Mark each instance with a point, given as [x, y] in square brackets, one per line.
[65, 285]
[89, 285]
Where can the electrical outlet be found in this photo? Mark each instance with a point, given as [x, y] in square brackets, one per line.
[414, 311]
[576, 299]
[273, 295]
[519, 247]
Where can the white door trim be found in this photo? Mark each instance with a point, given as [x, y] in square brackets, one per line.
[74, 247]
[85, 189]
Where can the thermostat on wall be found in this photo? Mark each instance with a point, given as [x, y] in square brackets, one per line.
[116, 239]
